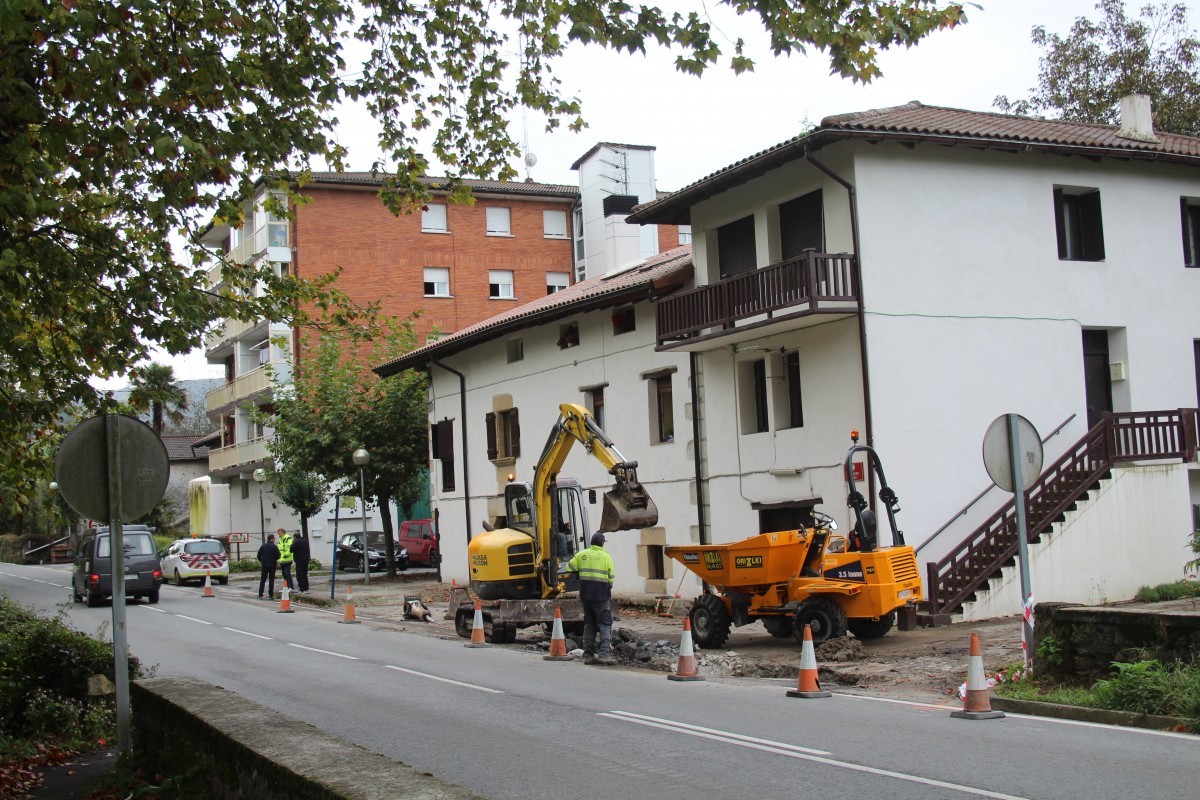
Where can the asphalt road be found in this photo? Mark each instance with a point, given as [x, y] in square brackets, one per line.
[507, 724]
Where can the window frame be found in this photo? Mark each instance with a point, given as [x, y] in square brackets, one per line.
[1189, 212]
[551, 288]
[498, 221]
[429, 218]
[425, 277]
[496, 288]
[549, 214]
[503, 435]
[1078, 223]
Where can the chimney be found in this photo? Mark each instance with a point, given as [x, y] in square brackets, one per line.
[1136, 121]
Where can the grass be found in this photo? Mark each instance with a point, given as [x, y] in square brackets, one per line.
[1141, 687]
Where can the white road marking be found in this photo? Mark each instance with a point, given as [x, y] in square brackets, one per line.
[685, 727]
[326, 652]
[193, 619]
[246, 633]
[444, 680]
[152, 608]
[779, 748]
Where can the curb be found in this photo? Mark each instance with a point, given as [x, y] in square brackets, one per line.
[1104, 716]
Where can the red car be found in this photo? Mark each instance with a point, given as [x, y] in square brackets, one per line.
[417, 536]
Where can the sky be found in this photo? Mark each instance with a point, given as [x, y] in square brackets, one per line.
[700, 125]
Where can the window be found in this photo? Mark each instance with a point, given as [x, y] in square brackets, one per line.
[433, 218]
[735, 247]
[515, 349]
[554, 224]
[500, 284]
[801, 225]
[557, 281]
[594, 401]
[685, 234]
[662, 412]
[1078, 223]
[789, 406]
[277, 231]
[752, 396]
[568, 335]
[655, 565]
[577, 219]
[623, 320]
[499, 222]
[1190, 208]
[503, 434]
[437, 281]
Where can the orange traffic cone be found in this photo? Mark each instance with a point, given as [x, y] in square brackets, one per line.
[558, 642]
[348, 615]
[976, 704]
[285, 602]
[685, 670]
[477, 639]
[809, 685]
[208, 592]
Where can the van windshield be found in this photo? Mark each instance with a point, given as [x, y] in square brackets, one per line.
[136, 544]
[203, 547]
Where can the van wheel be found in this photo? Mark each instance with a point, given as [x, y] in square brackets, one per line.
[93, 600]
[75, 595]
[433, 558]
[153, 597]
[223, 581]
[178, 580]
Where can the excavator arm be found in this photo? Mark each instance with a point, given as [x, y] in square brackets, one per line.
[627, 506]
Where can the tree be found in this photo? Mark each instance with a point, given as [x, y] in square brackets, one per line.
[303, 492]
[154, 388]
[1084, 75]
[127, 127]
[337, 405]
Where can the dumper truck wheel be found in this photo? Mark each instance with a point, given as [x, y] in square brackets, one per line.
[872, 628]
[823, 616]
[779, 627]
[710, 621]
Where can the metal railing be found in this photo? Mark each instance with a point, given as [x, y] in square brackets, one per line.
[1124, 437]
[799, 285]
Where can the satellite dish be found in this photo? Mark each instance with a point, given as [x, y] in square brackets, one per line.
[530, 160]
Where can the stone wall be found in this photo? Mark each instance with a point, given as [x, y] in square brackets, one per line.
[1087, 640]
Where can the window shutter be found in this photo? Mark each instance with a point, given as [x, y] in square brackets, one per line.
[1093, 229]
[443, 440]
[1189, 257]
[1060, 223]
[514, 447]
[735, 247]
[489, 422]
[802, 225]
[434, 430]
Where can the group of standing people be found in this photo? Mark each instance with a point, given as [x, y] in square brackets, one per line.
[282, 555]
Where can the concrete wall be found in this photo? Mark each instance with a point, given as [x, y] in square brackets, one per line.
[187, 725]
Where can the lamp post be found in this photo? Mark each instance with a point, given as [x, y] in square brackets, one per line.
[361, 457]
[260, 475]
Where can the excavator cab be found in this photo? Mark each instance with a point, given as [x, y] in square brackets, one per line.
[627, 506]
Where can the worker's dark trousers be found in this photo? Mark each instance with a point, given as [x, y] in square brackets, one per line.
[597, 619]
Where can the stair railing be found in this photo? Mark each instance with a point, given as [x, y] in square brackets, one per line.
[1123, 437]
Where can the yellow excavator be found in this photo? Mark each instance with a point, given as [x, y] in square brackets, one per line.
[519, 571]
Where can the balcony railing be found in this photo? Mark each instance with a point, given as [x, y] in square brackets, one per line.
[248, 385]
[240, 453]
[228, 331]
[797, 286]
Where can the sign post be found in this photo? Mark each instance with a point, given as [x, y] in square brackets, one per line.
[1012, 454]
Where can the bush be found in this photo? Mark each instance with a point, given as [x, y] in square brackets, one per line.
[44, 673]
[1178, 590]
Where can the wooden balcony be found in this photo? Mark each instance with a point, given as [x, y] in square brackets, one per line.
[238, 457]
[806, 286]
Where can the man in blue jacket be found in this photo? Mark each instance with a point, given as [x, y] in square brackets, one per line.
[594, 567]
[268, 557]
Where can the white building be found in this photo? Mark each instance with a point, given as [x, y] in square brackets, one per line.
[982, 264]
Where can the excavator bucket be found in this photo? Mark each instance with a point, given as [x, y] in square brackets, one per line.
[627, 507]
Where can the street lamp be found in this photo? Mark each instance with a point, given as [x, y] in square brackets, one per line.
[360, 458]
[260, 475]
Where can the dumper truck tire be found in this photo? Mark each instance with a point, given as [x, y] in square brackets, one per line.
[710, 621]
[780, 627]
[872, 628]
[824, 616]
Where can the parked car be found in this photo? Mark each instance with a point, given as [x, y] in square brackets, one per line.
[349, 554]
[193, 559]
[416, 535]
[91, 575]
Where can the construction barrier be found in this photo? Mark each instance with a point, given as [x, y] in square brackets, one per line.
[685, 670]
[808, 685]
[976, 704]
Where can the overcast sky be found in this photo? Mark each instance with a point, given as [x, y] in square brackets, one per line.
[700, 125]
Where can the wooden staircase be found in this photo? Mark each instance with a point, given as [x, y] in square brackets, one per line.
[1124, 437]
